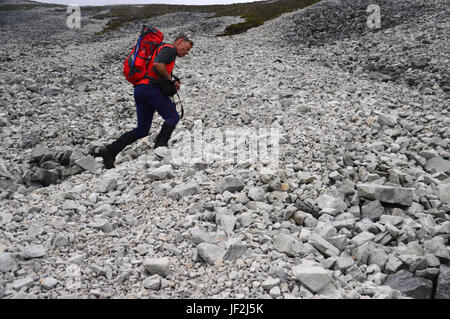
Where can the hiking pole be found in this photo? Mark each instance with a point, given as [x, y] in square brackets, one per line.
[182, 109]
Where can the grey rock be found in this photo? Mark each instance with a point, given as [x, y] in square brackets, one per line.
[7, 263]
[414, 262]
[438, 164]
[45, 177]
[444, 193]
[436, 246]
[393, 264]
[101, 224]
[326, 201]
[256, 193]
[443, 283]
[275, 292]
[153, 282]
[20, 283]
[161, 173]
[107, 185]
[322, 245]
[199, 236]
[356, 273]
[210, 253]
[287, 244]
[231, 184]
[343, 263]
[388, 194]
[372, 210]
[60, 240]
[227, 223]
[33, 251]
[410, 285]
[379, 257]
[269, 283]
[362, 238]
[88, 163]
[183, 190]
[313, 277]
[235, 249]
[69, 205]
[363, 252]
[158, 266]
[49, 282]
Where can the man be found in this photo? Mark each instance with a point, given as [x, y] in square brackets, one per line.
[149, 97]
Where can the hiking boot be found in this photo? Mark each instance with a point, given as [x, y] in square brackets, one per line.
[108, 159]
[164, 135]
[109, 152]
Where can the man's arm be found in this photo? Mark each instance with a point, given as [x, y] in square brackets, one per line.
[162, 71]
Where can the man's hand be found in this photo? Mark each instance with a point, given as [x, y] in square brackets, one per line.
[177, 85]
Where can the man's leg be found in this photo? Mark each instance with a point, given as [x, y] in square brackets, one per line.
[144, 114]
[166, 108]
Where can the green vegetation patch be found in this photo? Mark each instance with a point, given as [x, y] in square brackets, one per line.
[254, 13]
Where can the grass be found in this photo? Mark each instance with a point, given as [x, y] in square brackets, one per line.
[254, 13]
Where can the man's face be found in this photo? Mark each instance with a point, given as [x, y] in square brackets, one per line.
[183, 48]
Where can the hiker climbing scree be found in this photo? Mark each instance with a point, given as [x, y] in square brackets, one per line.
[149, 68]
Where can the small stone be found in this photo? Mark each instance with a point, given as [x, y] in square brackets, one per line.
[158, 266]
[60, 240]
[6, 263]
[388, 194]
[231, 184]
[313, 277]
[275, 292]
[20, 283]
[235, 249]
[69, 205]
[199, 236]
[107, 185]
[88, 163]
[326, 201]
[153, 282]
[362, 238]
[379, 257]
[410, 285]
[101, 224]
[210, 253]
[49, 282]
[436, 246]
[256, 194]
[33, 251]
[287, 244]
[161, 173]
[372, 210]
[443, 283]
[322, 245]
[393, 264]
[269, 283]
[343, 263]
[183, 190]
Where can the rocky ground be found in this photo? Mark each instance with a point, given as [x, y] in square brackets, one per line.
[364, 122]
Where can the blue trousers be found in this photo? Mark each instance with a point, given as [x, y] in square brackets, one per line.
[149, 99]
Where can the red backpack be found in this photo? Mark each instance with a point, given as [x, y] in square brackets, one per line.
[135, 66]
